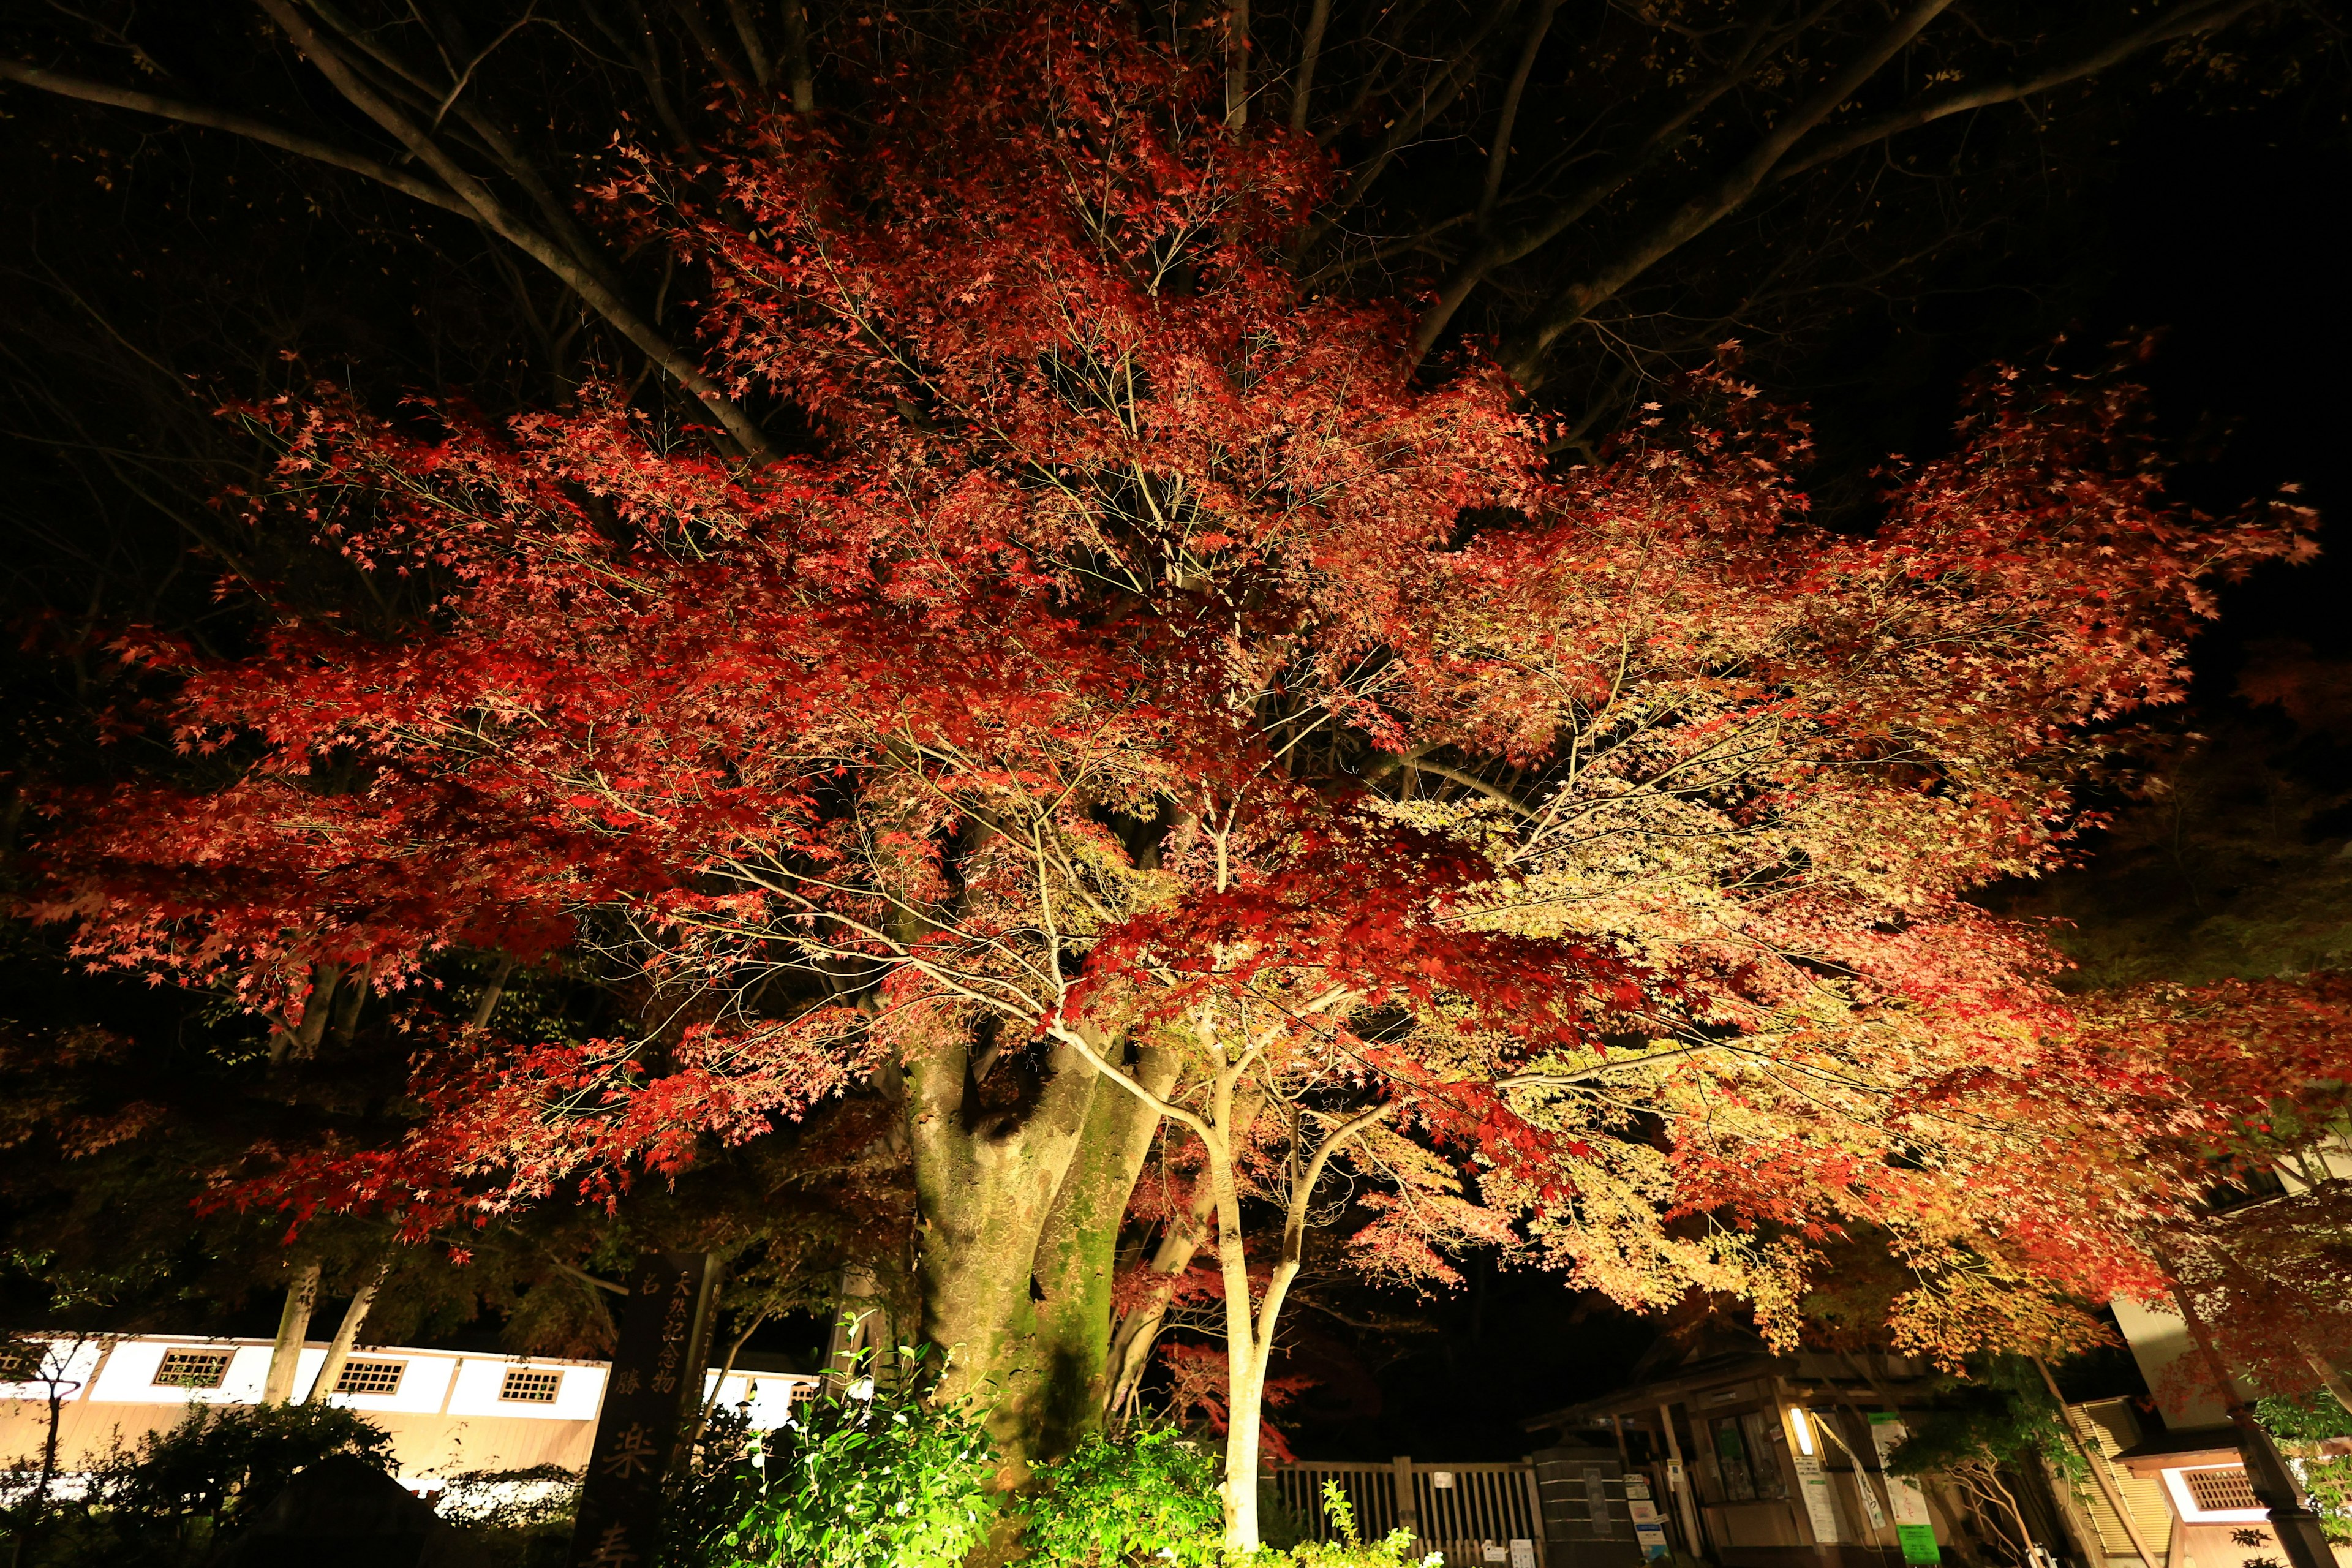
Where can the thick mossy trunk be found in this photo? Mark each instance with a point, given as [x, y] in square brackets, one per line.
[1078, 1254]
[1020, 1192]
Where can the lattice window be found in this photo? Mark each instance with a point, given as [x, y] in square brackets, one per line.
[529, 1385]
[2221, 1488]
[371, 1377]
[19, 1364]
[193, 1369]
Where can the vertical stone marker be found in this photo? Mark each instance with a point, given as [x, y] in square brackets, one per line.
[658, 1371]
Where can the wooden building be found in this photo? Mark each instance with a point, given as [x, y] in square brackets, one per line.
[448, 1412]
[1759, 1460]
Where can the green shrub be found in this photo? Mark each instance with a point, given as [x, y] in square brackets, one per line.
[893, 1481]
[222, 1461]
[1351, 1550]
[517, 1518]
[183, 1491]
[1147, 1501]
[1151, 1496]
[2302, 1425]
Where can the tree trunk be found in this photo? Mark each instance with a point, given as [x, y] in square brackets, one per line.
[37, 1507]
[1244, 1378]
[1138, 1328]
[347, 1333]
[293, 1325]
[987, 1182]
[2298, 1529]
[1077, 1259]
[2329, 1378]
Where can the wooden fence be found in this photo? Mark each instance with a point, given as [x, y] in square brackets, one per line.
[1458, 1510]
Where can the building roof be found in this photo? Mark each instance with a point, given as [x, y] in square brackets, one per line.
[1715, 1362]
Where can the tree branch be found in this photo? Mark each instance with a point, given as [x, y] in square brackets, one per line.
[1760, 43]
[1435, 99]
[493, 213]
[1507, 121]
[1569, 304]
[1310, 53]
[245, 125]
[2194, 18]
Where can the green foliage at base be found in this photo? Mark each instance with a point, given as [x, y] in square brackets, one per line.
[894, 1481]
[1351, 1550]
[2300, 1425]
[1149, 1496]
[182, 1492]
[516, 1519]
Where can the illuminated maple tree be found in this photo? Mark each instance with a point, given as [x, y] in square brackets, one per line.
[1139, 699]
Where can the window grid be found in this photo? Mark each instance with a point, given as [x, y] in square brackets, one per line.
[20, 1364]
[529, 1385]
[2220, 1489]
[371, 1377]
[193, 1369]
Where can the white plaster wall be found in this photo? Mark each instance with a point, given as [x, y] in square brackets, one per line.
[2160, 1345]
[424, 1383]
[769, 1392]
[475, 1392]
[129, 1375]
[68, 1363]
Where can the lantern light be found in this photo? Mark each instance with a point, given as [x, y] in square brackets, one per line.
[1800, 1426]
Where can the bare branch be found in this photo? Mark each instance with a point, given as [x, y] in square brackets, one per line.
[2171, 25]
[1568, 304]
[245, 125]
[1507, 121]
[1310, 53]
[494, 214]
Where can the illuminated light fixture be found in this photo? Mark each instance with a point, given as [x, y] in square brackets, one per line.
[1800, 1427]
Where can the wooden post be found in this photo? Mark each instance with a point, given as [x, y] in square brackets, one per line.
[1685, 1494]
[1535, 1511]
[656, 1376]
[1407, 1511]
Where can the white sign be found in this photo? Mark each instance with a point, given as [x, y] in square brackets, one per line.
[1523, 1554]
[1441, 1480]
[1819, 1507]
[1643, 1510]
[1491, 1552]
[1915, 1528]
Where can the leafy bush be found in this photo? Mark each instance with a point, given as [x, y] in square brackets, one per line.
[1999, 1413]
[183, 1491]
[1278, 1524]
[1151, 1496]
[222, 1461]
[1351, 1550]
[1152, 1499]
[894, 1480]
[2303, 1423]
[518, 1518]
